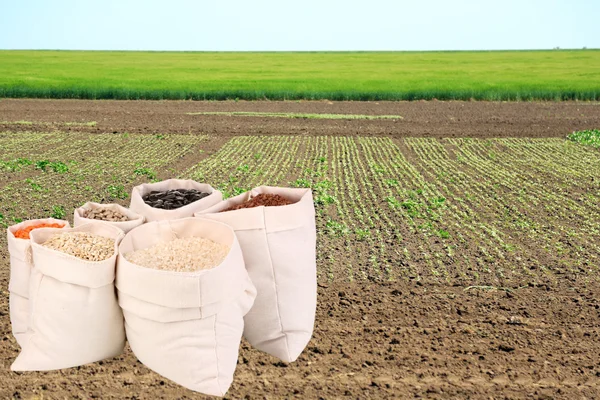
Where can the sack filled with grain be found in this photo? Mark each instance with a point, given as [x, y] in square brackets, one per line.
[19, 248]
[172, 199]
[74, 315]
[111, 214]
[277, 233]
[184, 292]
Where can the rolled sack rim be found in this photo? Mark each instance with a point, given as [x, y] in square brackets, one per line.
[11, 230]
[37, 234]
[170, 222]
[172, 184]
[299, 194]
[20, 249]
[195, 288]
[132, 215]
[138, 205]
[272, 219]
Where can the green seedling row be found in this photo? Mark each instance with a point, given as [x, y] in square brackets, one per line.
[498, 212]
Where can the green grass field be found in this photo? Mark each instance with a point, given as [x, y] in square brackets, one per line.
[497, 75]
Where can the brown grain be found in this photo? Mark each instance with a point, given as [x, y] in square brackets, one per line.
[263, 199]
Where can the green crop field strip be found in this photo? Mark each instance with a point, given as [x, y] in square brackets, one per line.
[500, 212]
[296, 115]
[30, 123]
[497, 75]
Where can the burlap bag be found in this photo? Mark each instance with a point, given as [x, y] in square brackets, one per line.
[279, 247]
[74, 317]
[186, 326]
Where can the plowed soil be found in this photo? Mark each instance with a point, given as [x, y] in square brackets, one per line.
[424, 119]
[372, 340]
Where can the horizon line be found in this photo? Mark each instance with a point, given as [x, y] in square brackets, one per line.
[308, 51]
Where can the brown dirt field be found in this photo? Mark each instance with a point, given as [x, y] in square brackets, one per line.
[384, 341]
[423, 119]
[373, 339]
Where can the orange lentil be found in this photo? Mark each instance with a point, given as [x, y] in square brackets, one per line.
[24, 233]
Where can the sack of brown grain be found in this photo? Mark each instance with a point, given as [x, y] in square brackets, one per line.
[111, 214]
[74, 315]
[19, 248]
[172, 199]
[184, 292]
[277, 233]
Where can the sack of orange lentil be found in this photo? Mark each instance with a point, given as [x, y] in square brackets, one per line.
[277, 233]
[19, 246]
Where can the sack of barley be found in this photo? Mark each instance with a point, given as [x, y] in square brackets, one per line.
[184, 292]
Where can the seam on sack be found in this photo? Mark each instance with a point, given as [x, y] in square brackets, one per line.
[30, 323]
[200, 299]
[287, 346]
[217, 355]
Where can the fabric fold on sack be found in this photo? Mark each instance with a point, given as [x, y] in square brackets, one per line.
[156, 214]
[134, 221]
[74, 316]
[186, 326]
[279, 249]
[21, 263]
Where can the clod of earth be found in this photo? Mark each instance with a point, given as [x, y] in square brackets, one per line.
[173, 199]
[84, 245]
[506, 348]
[105, 214]
[24, 233]
[263, 199]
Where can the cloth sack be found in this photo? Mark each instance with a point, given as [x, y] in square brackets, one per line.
[135, 220]
[20, 270]
[74, 317]
[279, 247]
[186, 326]
[156, 214]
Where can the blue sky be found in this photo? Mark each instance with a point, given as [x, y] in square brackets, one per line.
[241, 25]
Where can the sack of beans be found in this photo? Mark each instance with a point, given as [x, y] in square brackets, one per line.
[74, 315]
[19, 248]
[277, 233]
[111, 214]
[172, 199]
[184, 292]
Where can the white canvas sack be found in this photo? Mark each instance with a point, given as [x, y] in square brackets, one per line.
[20, 270]
[279, 247]
[157, 214]
[135, 219]
[74, 317]
[186, 326]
